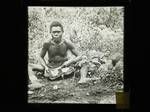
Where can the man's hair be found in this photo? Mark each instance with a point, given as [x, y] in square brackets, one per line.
[55, 24]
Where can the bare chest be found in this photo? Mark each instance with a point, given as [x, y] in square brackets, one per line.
[57, 50]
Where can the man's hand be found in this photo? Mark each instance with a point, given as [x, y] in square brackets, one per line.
[64, 65]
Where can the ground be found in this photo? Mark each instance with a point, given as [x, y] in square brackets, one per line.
[69, 91]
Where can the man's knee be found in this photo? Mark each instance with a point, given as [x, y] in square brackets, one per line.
[36, 67]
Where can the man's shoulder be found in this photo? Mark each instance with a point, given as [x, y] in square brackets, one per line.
[68, 42]
[46, 44]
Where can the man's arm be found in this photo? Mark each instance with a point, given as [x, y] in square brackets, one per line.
[42, 55]
[71, 47]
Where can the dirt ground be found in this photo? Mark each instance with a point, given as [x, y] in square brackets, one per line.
[69, 91]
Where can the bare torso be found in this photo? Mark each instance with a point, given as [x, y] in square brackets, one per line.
[57, 53]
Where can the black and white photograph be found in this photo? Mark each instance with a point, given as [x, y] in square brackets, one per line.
[75, 54]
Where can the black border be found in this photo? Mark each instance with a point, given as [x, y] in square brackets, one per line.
[21, 82]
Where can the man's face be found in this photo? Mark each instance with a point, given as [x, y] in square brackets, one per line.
[56, 33]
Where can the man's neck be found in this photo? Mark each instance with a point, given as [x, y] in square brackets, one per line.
[56, 42]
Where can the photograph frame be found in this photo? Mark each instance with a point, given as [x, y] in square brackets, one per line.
[127, 28]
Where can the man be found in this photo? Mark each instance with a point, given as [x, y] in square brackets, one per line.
[57, 49]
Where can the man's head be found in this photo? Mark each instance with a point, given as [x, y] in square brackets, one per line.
[56, 30]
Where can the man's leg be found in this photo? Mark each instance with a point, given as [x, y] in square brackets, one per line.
[35, 83]
[83, 73]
